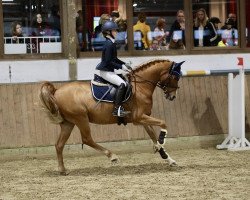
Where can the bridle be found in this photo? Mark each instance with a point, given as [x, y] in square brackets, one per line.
[164, 85]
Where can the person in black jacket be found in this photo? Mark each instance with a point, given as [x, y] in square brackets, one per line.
[110, 63]
[201, 29]
[177, 32]
[205, 30]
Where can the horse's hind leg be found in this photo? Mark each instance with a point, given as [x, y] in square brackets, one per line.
[83, 125]
[66, 129]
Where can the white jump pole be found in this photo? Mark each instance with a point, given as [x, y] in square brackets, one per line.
[236, 114]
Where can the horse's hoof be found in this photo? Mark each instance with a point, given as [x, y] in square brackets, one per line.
[171, 162]
[114, 159]
[114, 162]
[63, 174]
[174, 164]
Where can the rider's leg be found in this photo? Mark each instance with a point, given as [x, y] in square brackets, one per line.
[120, 92]
[119, 96]
[112, 77]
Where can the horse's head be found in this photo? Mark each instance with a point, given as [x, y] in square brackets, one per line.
[169, 80]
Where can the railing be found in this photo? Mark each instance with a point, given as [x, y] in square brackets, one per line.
[41, 44]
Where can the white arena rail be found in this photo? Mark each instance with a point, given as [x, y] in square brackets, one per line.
[23, 45]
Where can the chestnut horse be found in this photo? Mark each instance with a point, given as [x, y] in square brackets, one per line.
[73, 104]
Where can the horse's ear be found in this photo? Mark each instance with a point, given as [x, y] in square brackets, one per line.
[178, 65]
[176, 70]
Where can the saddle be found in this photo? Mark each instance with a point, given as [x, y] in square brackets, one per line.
[104, 91]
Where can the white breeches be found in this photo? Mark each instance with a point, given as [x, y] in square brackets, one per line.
[112, 77]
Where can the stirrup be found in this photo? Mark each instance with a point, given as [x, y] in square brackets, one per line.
[120, 112]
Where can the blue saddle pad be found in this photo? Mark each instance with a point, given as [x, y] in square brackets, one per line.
[98, 92]
[104, 91]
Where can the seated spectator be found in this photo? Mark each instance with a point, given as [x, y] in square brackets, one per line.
[54, 21]
[115, 15]
[144, 29]
[39, 27]
[17, 32]
[234, 20]
[121, 23]
[213, 31]
[18, 36]
[159, 35]
[121, 37]
[177, 32]
[229, 34]
[97, 40]
[103, 19]
[79, 30]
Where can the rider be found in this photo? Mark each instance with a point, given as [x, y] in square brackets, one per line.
[109, 63]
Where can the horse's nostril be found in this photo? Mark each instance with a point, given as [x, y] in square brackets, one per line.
[172, 98]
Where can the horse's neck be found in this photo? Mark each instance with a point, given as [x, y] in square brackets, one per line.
[147, 79]
[151, 73]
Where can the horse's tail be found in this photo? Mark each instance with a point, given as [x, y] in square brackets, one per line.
[48, 102]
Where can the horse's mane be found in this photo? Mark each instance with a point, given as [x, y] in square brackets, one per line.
[149, 63]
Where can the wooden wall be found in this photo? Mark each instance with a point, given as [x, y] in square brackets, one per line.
[200, 109]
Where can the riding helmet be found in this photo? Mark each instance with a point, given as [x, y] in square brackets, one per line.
[109, 26]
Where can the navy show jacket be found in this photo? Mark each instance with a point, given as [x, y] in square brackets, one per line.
[109, 57]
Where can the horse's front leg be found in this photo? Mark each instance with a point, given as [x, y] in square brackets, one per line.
[147, 123]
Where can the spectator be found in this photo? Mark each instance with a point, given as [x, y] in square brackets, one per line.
[97, 40]
[115, 16]
[213, 31]
[121, 23]
[159, 36]
[54, 21]
[121, 36]
[17, 32]
[79, 30]
[203, 29]
[103, 19]
[144, 29]
[39, 27]
[177, 32]
[234, 19]
[229, 34]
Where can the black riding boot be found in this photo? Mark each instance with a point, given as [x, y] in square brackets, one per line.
[119, 110]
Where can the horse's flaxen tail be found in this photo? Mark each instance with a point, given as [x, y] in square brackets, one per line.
[48, 102]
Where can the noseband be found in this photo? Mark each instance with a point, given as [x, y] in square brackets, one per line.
[167, 88]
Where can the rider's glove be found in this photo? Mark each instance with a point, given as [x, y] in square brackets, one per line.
[128, 65]
[125, 68]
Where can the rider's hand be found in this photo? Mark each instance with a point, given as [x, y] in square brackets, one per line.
[125, 68]
[128, 65]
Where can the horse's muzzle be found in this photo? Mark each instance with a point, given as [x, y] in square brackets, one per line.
[170, 97]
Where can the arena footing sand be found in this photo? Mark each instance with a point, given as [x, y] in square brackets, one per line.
[203, 172]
